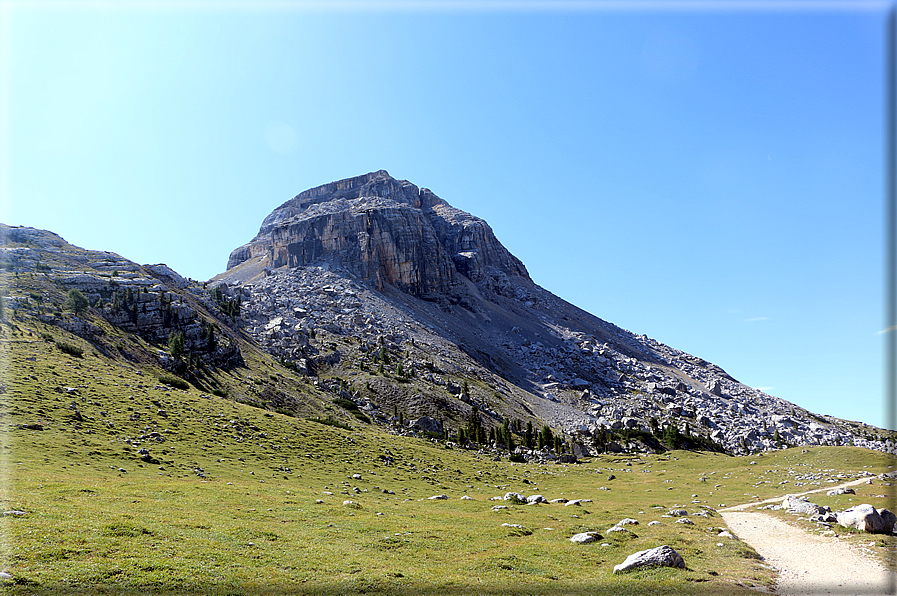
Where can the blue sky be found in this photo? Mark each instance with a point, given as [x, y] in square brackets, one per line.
[711, 177]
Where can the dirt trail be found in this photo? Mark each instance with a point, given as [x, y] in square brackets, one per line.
[809, 564]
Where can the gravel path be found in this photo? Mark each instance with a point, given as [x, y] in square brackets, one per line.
[808, 564]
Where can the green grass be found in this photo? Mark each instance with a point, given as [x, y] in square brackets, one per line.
[231, 506]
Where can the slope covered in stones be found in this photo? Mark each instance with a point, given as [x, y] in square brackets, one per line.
[380, 263]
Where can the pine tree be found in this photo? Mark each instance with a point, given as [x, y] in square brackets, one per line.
[546, 437]
[176, 344]
[76, 302]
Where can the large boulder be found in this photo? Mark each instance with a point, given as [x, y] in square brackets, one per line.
[585, 537]
[662, 556]
[868, 519]
[427, 424]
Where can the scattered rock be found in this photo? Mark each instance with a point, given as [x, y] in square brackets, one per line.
[438, 498]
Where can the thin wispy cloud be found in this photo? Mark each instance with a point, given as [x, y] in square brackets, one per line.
[764, 389]
[754, 319]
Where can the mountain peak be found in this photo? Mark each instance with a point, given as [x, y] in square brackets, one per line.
[383, 230]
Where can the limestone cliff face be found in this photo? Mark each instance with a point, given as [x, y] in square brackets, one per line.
[385, 231]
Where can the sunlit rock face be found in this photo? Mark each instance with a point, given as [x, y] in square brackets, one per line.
[385, 231]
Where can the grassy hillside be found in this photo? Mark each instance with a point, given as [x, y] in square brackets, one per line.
[234, 499]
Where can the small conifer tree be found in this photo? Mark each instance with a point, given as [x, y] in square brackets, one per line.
[76, 301]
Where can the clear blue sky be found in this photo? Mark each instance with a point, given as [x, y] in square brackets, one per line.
[711, 178]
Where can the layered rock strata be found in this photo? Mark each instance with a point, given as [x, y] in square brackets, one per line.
[385, 231]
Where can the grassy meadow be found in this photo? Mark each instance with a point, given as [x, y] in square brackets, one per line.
[231, 499]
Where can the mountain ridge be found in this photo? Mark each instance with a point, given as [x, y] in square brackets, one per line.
[446, 331]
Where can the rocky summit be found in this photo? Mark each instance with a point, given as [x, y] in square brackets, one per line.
[384, 232]
[409, 282]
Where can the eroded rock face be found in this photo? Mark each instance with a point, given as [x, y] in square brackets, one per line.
[385, 231]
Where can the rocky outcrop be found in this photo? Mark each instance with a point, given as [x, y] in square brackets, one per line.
[150, 300]
[386, 232]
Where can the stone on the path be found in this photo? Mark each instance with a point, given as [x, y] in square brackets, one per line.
[866, 518]
[662, 556]
[801, 505]
[840, 491]
[585, 537]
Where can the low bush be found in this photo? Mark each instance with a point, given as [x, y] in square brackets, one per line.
[173, 381]
[70, 349]
[331, 422]
[346, 404]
